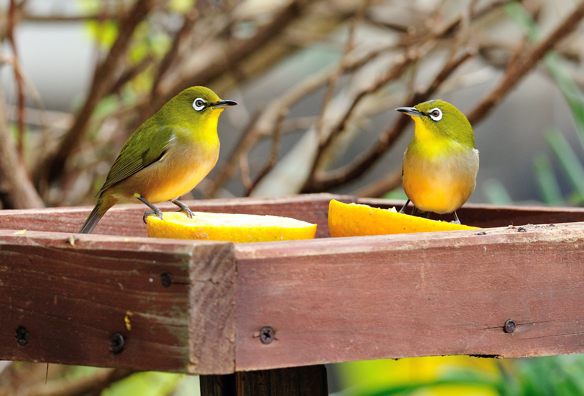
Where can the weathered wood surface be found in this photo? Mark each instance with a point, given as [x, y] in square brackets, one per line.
[483, 215]
[295, 381]
[117, 302]
[127, 219]
[404, 295]
[327, 300]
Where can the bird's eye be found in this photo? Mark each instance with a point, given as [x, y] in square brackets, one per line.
[199, 104]
[435, 114]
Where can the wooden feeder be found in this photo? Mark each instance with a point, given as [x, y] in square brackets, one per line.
[265, 317]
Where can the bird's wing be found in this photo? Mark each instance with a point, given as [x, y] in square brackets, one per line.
[146, 146]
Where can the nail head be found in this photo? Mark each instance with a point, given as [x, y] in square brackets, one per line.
[509, 326]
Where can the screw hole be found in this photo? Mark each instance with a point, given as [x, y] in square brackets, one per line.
[117, 342]
[22, 335]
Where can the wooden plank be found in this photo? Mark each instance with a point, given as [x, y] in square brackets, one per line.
[296, 381]
[343, 299]
[483, 215]
[127, 219]
[137, 303]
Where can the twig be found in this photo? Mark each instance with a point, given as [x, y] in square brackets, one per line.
[17, 186]
[188, 22]
[129, 74]
[18, 77]
[334, 77]
[102, 80]
[394, 72]
[350, 44]
[356, 168]
[235, 52]
[519, 69]
[273, 154]
[263, 124]
[381, 186]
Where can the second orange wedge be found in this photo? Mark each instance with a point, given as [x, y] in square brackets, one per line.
[357, 219]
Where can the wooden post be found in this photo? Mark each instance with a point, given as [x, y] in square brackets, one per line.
[295, 381]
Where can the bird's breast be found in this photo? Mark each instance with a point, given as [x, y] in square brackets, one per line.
[440, 183]
[180, 170]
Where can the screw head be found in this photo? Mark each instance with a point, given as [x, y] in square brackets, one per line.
[509, 326]
[267, 335]
[22, 335]
[117, 342]
[166, 279]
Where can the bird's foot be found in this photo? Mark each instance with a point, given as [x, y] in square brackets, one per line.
[403, 208]
[156, 213]
[456, 219]
[183, 208]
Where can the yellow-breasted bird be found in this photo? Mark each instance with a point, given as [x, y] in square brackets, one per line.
[166, 156]
[441, 162]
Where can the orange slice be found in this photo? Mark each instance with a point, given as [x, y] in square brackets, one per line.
[228, 227]
[357, 219]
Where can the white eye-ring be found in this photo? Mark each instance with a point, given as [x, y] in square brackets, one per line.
[199, 104]
[435, 114]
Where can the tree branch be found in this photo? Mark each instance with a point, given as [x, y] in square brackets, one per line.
[517, 70]
[357, 168]
[102, 80]
[14, 180]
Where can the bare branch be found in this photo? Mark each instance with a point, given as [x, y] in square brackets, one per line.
[13, 10]
[265, 122]
[15, 183]
[357, 168]
[517, 70]
[382, 186]
[102, 80]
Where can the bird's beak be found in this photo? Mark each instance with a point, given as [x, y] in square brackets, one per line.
[411, 111]
[223, 103]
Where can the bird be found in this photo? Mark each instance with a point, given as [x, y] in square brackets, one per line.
[166, 156]
[441, 162]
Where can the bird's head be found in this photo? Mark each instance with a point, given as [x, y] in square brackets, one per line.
[439, 119]
[196, 105]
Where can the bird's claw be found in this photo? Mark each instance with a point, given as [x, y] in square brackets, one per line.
[183, 208]
[147, 213]
[187, 211]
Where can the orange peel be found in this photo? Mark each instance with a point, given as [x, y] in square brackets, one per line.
[350, 219]
[228, 227]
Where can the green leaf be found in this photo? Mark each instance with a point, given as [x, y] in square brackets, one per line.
[546, 181]
[568, 159]
[149, 383]
[496, 192]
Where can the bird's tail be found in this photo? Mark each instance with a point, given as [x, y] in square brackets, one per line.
[96, 214]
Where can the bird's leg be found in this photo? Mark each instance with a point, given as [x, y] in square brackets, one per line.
[456, 219]
[155, 210]
[403, 209]
[183, 208]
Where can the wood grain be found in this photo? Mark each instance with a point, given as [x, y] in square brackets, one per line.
[126, 220]
[483, 215]
[328, 300]
[296, 381]
[67, 296]
[342, 299]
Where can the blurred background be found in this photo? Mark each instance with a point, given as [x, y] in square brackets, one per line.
[317, 82]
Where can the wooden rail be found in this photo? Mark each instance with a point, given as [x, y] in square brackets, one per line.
[218, 308]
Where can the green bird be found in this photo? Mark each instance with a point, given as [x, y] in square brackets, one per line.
[166, 156]
[441, 162]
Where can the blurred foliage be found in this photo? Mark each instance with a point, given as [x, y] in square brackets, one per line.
[569, 165]
[464, 375]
